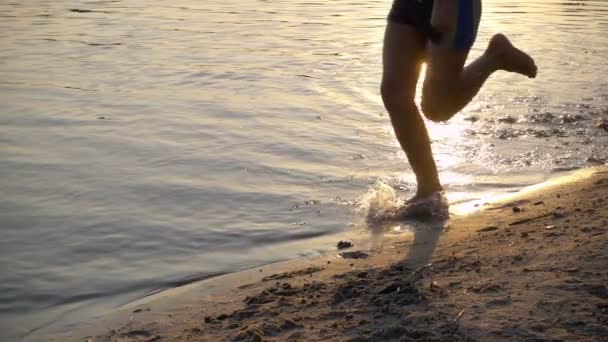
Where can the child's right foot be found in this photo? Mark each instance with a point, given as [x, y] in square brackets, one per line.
[511, 58]
[433, 206]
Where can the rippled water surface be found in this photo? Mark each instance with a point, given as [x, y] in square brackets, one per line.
[145, 142]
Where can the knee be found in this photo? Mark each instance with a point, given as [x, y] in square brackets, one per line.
[434, 111]
[396, 96]
[389, 91]
[435, 107]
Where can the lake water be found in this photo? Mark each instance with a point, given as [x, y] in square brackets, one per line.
[143, 143]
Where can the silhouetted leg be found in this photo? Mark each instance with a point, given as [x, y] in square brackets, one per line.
[449, 86]
[403, 54]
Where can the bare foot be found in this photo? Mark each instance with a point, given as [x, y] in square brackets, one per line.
[433, 206]
[511, 58]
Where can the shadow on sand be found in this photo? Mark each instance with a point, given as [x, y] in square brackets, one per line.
[426, 234]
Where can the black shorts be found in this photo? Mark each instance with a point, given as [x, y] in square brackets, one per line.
[417, 13]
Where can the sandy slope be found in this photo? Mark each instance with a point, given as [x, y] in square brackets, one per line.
[532, 268]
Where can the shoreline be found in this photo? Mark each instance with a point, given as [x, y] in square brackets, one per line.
[494, 274]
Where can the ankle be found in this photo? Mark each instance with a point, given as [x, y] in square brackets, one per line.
[498, 51]
[426, 192]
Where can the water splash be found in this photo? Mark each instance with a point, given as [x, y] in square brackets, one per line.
[382, 205]
[380, 197]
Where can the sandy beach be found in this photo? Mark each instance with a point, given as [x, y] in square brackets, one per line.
[531, 267]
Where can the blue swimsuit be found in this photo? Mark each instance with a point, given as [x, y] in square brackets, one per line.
[417, 13]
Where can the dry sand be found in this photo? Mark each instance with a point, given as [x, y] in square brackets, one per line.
[532, 268]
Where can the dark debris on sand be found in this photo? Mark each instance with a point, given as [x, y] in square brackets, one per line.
[395, 307]
[287, 275]
[344, 245]
[354, 255]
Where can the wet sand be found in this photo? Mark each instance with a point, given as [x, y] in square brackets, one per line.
[532, 267]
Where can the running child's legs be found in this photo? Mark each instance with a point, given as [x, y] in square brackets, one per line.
[448, 86]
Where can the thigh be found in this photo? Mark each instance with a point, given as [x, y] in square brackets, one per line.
[464, 32]
[446, 59]
[402, 57]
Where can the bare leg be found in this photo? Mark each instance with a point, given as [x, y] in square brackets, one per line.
[403, 54]
[449, 87]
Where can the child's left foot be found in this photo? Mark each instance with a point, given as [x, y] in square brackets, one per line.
[511, 58]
